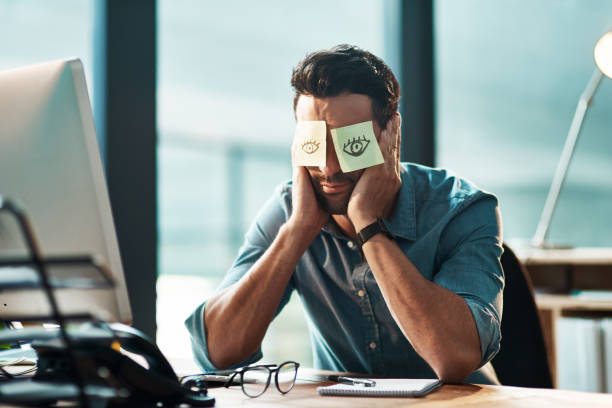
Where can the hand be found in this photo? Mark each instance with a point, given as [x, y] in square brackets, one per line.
[307, 216]
[374, 193]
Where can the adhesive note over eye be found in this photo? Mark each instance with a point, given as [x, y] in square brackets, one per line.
[356, 146]
[309, 143]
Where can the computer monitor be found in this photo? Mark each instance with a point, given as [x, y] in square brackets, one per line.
[50, 164]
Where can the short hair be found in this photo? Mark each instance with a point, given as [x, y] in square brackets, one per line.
[347, 68]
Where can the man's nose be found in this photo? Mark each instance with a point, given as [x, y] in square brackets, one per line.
[332, 166]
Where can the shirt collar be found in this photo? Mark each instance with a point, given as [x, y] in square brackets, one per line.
[403, 220]
[333, 229]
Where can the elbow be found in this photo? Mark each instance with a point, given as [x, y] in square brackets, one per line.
[223, 354]
[452, 375]
[220, 361]
[456, 370]
[222, 365]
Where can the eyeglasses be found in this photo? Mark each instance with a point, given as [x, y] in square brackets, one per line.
[255, 379]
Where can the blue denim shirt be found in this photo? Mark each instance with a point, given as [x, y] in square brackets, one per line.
[450, 230]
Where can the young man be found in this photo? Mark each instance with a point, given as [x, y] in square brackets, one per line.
[421, 297]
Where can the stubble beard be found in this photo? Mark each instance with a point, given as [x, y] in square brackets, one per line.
[333, 204]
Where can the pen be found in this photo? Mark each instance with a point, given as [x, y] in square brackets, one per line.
[352, 381]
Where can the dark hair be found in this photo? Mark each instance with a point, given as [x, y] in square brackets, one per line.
[346, 68]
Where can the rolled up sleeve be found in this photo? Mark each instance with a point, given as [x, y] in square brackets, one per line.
[257, 240]
[197, 329]
[470, 248]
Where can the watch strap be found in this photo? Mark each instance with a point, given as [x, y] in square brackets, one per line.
[377, 227]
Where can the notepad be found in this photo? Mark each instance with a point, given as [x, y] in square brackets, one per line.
[394, 387]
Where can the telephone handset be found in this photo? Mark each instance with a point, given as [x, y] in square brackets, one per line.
[108, 375]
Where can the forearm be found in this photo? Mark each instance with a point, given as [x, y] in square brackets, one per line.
[237, 318]
[436, 321]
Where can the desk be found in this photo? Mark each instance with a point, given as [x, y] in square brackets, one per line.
[305, 395]
[560, 271]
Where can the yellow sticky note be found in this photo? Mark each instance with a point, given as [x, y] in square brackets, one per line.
[356, 146]
[310, 143]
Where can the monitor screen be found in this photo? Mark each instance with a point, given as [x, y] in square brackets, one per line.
[50, 164]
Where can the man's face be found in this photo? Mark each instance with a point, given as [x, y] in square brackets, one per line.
[333, 187]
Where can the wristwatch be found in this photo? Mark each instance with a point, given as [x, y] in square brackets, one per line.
[377, 227]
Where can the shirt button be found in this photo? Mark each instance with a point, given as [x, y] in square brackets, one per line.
[351, 244]
[372, 345]
[360, 293]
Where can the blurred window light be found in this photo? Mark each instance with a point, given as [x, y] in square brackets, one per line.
[225, 127]
[34, 31]
[508, 75]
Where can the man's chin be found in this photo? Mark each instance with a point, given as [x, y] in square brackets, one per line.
[334, 205]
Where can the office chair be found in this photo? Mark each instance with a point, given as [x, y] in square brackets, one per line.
[522, 359]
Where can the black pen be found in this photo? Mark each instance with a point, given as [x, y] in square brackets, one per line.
[352, 381]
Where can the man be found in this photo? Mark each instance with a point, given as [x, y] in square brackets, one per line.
[419, 298]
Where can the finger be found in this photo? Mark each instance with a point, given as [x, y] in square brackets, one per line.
[294, 176]
[393, 141]
[293, 154]
[398, 135]
[397, 120]
[298, 174]
[386, 142]
[296, 169]
[389, 138]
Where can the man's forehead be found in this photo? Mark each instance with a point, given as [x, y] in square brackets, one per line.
[337, 111]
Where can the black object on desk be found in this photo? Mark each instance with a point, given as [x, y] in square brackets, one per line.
[85, 363]
[107, 375]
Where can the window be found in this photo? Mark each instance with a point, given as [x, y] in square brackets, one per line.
[34, 31]
[225, 121]
[508, 78]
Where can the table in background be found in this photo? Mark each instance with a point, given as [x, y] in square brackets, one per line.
[555, 273]
[564, 270]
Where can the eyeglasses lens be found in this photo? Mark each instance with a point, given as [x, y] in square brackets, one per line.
[286, 376]
[255, 381]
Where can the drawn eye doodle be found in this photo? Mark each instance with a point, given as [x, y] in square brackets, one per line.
[310, 146]
[356, 146]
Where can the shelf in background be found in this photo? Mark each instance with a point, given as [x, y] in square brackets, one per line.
[564, 280]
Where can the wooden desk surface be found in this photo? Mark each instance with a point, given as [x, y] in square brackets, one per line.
[305, 395]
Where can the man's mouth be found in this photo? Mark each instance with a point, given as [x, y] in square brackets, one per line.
[335, 188]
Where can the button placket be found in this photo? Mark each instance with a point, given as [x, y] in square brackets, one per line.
[372, 335]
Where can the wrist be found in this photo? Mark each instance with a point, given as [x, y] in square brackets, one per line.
[300, 232]
[372, 230]
[291, 244]
[362, 221]
[361, 216]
